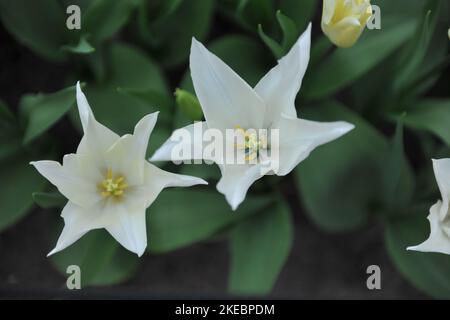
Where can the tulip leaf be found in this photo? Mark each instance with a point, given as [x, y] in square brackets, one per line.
[415, 52]
[432, 115]
[301, 12]
[83, 47]
[19, 181]
[101, 259]
[47, 200]
[42, 111]
[179, 218]
[344, 66]
[290, 35]
[426, 271]
[350, 161]
[259, 247]
[172, 42]
[39, 24]
[398, 179]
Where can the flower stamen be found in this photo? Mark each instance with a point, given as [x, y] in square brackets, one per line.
[112, 187]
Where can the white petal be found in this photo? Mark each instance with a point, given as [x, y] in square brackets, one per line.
[84, 109]
[438, 241]
[77, 222]
[142, 133]
[128, 227]
[75, 188]
[441, 169]
[157, 179]
[226, 99]
[280, 86]
[299, 137]
[237, 179]
[182, 139]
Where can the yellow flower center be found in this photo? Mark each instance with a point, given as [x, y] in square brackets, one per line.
[112, 186]
[252, 143]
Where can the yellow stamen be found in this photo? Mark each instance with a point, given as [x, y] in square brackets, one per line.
[111, 186]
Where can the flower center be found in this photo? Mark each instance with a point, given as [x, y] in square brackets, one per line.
[112, 186]
[252, 143]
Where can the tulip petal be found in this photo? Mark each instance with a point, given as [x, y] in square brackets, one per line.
[77, 222]
[345, 33]
[127, 225]
[329, 7]
[441, 168]
[237, 179]
[182, 139]
[142, 133]
[75, 188]
[226, 99]
[299, 137]
[280, 86]
[84, 109]
[438, 241]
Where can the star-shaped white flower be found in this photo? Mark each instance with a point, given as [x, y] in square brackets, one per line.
[108, 182]
[228, 102]
[439, 217]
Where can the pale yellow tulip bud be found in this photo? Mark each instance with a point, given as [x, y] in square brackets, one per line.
[343, 21]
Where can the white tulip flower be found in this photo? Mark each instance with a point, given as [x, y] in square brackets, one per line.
[108, 182]
[228, 102]
[439, 217]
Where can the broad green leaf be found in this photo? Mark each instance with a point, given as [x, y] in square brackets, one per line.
[432, 115]
[179, 218]
[340, 181]
[101, 259]
[274, 46]
[189, 104]
[19, 181]
[39, 25]
[42, 111]
[82, 47]
[398, 179]
[48, 200]
[426, 271]
[259, 247]
[204, 171]
[345, 66]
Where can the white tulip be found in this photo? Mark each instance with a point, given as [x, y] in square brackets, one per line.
[108, 182]
[439, 217]
[228, 102]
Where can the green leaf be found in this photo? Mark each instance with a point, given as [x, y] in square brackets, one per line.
[48, 200]
[39, 25]
[398, 179]
[172, 41]
[350, 161]
[432, 115]
[345, 66]
[290, 35]
[415, 52]
[19, 181]
[426, 271]
[259, 247]
[42, 111]
[301, 12]
[189, 104]
[179, 218]
[101, 259]
[83, 47]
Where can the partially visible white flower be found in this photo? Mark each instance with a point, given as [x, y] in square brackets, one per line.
[343, 21]
[228, 102]
[108, 182]
[439, 217]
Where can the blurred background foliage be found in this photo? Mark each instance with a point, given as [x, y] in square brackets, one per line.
[131, 56]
